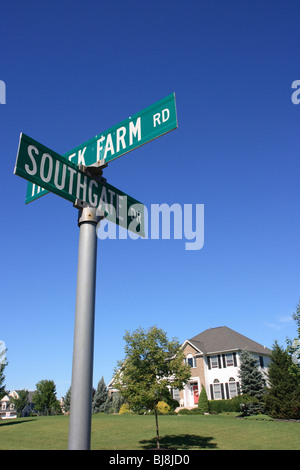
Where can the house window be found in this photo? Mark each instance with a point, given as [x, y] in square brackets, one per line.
[11, 406]
[229, 360]
[261, 361]
[3, 406]
[232, 388]
[217, 390]
[214, 362]
[191, 361]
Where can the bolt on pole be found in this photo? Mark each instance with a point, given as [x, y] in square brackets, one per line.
[83, 348]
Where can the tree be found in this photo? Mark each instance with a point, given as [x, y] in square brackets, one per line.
[21, 402]
[102, 400]
[203, 404]
[67, 401]
[45, 401]
[293, 346]
[3, 364]
[251, 379]
[117, 402]
[282, 399]
[152, 364]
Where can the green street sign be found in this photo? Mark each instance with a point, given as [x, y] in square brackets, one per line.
[139, 129]
[51, 171]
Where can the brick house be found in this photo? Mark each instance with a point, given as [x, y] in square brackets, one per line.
[214, 357]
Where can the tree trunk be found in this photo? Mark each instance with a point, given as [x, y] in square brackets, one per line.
[157, 432]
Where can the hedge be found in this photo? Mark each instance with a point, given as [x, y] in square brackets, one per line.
[232, 405]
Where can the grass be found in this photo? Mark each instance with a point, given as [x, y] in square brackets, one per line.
[133, 432]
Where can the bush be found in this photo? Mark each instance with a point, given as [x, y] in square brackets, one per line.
[233, 405]
[193, 411]
[203, 404]
[163, 407]
[252, 408]
[124, 409]
[259, 418]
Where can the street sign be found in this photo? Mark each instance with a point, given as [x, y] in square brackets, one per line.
[49, 170]
[139, 129]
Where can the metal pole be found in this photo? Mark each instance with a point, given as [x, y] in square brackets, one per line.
[83, 349]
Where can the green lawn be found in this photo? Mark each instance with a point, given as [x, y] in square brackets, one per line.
[133, 432]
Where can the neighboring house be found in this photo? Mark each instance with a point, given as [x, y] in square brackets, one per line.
[214, 357]
[7, 407]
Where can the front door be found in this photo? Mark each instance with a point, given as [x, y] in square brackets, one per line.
[195, 392]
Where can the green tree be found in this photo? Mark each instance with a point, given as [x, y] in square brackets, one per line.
[67, 401]
[152, 364]
[45, 401]
[251, 379]
[21, 402]
[203, 403]
[101, 400]
[293, 346]
[117, 402]
[282, 399]
[3, 364]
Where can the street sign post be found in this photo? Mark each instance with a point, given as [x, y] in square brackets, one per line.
[49, 170]
[95, 199]
[77, 177]
[139, 129]
[83, 349]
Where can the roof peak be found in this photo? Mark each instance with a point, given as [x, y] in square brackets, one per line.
[223, 338]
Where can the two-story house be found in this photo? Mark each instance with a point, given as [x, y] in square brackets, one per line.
[214, 357]
[7, 407]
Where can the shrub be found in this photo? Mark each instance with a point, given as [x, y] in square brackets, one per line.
[193, 411]
[203, 404]
[233, 405]
[259, 418]
[124, 409]
[163, 407]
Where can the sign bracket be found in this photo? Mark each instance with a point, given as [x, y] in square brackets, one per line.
[94, 172]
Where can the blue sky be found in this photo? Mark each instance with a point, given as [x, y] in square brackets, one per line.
[74, 69]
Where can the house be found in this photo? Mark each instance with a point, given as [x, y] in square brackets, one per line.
[7, 407]
[214, 357]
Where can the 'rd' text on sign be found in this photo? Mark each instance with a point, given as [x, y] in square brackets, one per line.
[49, 170]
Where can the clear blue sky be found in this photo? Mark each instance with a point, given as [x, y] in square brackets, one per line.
[74, 69]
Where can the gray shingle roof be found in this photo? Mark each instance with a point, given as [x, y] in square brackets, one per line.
[222, 339]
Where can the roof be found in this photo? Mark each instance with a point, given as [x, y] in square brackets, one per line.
[222, 338]
[15, 394]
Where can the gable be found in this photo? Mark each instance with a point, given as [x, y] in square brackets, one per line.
[190, 348]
